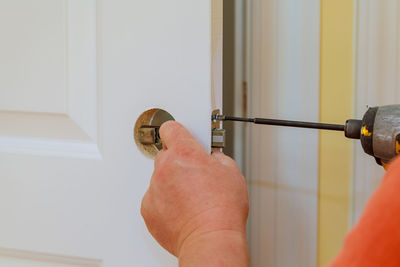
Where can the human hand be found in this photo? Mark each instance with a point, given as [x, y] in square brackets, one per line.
[193, 195]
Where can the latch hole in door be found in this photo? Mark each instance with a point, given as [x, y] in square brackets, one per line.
[146, 131]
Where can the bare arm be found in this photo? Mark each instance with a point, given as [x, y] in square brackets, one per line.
[375, 239]
[221, 248]
[197, 204]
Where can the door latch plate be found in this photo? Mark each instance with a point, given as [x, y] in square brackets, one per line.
[218, 134]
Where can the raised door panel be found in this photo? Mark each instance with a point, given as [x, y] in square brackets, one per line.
[33, 56]
[19, 258]
[48, 88]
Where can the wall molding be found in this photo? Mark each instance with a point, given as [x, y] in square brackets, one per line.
[282, 69]
[377, 82]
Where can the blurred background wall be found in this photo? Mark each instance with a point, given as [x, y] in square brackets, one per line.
[316, 60]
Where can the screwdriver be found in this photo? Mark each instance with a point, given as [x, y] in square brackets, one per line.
[379, 130]
[287, 123]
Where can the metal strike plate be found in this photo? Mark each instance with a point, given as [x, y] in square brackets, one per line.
[217, 133]
[218, 138]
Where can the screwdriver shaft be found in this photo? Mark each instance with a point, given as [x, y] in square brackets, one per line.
[297, 124]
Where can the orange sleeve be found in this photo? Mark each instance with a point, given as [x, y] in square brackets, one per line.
[375, 240]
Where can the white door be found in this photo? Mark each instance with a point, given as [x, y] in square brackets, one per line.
[74, 77]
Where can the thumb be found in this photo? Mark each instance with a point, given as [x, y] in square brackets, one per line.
[175, 135]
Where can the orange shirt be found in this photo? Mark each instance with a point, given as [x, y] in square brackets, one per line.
[375, 240]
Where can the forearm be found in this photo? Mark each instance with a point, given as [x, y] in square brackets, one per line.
[375, 240]
[219, 248]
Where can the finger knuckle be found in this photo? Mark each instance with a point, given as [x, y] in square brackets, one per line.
[229, 161]
[188, 151]
[161, 174]
[143, 208]
[162, 161]
[164, 172]
[185, 152]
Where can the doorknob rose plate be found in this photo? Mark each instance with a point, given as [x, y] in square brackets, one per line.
[146, 131]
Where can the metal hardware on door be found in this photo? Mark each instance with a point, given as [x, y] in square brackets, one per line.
[146, 131]
[217, 133]
[147, 136]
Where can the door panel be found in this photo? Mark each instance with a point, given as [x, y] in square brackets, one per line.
[49, 94]
[74, 77]
[19, 258]
[33, 55]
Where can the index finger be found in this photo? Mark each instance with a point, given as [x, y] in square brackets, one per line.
[175, 135]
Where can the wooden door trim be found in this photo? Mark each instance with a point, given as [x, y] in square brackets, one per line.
[281, 165]
[377, 82]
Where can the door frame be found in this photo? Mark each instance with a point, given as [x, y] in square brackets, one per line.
[282, 44]
[377, 82]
